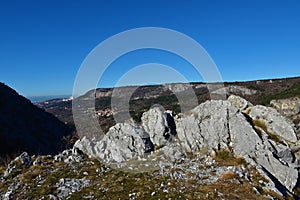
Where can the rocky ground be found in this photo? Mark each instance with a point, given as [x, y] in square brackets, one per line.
[69, 176]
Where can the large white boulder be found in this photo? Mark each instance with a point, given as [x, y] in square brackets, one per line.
[158, 124]
[220, 124]
[273, 122]
[122, 142]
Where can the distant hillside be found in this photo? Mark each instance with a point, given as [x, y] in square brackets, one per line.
[25, 127]
[257, 92]
[45, 98]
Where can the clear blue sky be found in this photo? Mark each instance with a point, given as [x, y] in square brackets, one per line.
[43, 43]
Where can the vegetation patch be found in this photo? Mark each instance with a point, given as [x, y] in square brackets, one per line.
[292, 91]
[225, 157]
[261, 124]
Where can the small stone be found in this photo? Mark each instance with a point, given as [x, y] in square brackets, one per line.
[52, 197]
[24, 158]
[255, 190]
[37, 161]
[132, 194]
[67, 186]
[85, 173]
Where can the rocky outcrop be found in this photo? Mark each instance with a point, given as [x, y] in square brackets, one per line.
[177, 88]
[240, 103]
[21, 160]
[272, 122]
[123, 142]
[205, 127]
[220, 125]
[238, 90]
[159, 124]
[258, 134]
[287, 107]
[272, 158]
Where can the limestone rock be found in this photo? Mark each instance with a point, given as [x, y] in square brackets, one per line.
[220, 125]
[176, 88]
[67, 186]
[245, 141]
[23, 159]
[287, 107]
[239, 90]
[205, 126]
[272, 122]
[258, 134]
[275, 159]
[159, 124]
[173, 152]
[68, 156]
[84, 145]
[122, 142]
[239, 102]
[37, 161]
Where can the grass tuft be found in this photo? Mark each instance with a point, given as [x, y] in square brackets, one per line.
[261, 124]
[225, 157]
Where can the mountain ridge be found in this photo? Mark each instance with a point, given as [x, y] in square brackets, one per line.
[25, 127]
[146, 96]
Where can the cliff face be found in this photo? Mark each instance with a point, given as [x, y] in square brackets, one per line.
[25, 127]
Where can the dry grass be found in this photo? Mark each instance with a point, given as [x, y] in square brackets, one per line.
[225, 157]
[247, 111]
[228, 175]
[261, 124]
